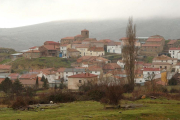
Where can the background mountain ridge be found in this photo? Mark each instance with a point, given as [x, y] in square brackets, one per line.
[20, 38]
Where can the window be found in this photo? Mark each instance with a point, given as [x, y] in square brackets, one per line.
[140, 81]
[165, 67]
[160, 66]
[95, 71]
[66, 72]
[80, 81]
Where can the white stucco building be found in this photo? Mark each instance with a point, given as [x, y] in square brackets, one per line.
[149, 73]
[72, 71]
[175, 53]
[63, 50]
[121, 63]
[114, 47]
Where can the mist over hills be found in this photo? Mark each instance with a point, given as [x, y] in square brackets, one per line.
[35, 35]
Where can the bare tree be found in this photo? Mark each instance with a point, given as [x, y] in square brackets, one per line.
[129, 53]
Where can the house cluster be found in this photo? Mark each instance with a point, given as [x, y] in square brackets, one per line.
[91, 65]
[72, 47]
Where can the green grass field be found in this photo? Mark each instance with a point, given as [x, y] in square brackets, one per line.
[158, 109]
[39, 63]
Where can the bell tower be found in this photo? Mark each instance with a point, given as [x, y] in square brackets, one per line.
[85, 33]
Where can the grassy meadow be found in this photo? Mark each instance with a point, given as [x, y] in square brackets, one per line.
[39, 63]
[157, 109]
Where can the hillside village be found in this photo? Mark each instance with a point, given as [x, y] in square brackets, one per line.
[92, 63]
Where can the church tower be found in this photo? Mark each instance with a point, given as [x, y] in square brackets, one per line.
[85, 33]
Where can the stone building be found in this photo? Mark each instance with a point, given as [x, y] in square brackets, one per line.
[172, 44]
[75, 81]
[88, 40]
[5, 68]
[51, 43]
[69, 40]
[164, 62]
[49, 50]
[72, 53]
[95, 51]
[97, 44]
[32, 54]
[153, 46]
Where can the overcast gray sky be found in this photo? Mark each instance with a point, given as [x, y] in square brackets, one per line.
[14, 13]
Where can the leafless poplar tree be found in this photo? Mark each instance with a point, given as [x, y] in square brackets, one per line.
[129, 53]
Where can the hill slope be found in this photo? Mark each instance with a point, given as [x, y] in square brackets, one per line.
[24, 37]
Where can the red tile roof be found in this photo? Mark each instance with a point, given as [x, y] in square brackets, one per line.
[78, 36]
[31, 82]
[84, 30]
[139, 72]
[151, 69]
[94, 68]
[86, 58]
[97, 42]
[33, 47]
[33, 51]
[102, 59]
[52, 42]
[139, 62]
[50, 47]
[46, 71]
[77, 42]
[151, 45]
[83, 75]
[178, 63]
[64, 45]
[172, 42]
[164, 57]
[161, 63]
[174, 48]
[80, 67]
[82, 46]
[89, 39]
[147, 64]
[2, 79]
[111, 66]
[68, 38]
[106, 40]
[118, 43]
[98, 49]
[61, 69]
[124, 38]
[154, 39]
[28, 76]
[14, 75]
[72, 50]
[5, 67]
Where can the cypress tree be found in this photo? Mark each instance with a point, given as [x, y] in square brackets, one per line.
[37, 83]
